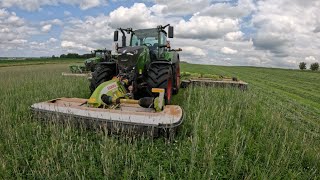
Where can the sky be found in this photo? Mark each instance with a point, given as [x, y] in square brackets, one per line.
[266, 33]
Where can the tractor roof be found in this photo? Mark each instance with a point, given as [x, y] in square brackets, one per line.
[152, 32]
[100, 50]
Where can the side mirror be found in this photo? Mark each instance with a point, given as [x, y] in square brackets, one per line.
[170, 32]
[115, 35]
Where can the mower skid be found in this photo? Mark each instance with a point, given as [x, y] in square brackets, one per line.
[129, 118]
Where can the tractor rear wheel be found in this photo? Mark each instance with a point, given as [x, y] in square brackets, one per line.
[160, 76]
[100, 75]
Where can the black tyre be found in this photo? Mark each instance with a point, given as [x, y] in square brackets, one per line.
[100, 75]
[160, 76]
[90, 66]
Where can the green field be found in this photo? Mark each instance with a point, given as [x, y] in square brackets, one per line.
[270, 131]
[7, 63]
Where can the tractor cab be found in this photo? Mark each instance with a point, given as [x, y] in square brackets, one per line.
[155, 39]
[101, 54]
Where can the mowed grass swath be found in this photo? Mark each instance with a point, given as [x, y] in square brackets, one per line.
[272, 130]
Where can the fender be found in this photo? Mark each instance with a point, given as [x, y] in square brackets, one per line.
[175, 60]
[175, 57]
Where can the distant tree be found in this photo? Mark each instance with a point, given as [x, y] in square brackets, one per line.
[86, 56]
[303, 65]
[314, 66]
[72, 55]
[53, 56]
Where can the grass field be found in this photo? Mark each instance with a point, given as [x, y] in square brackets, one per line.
[7, 63]
[270, 131]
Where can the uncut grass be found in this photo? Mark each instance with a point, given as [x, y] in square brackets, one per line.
[8, 63]
[266, 80]
[227, 133]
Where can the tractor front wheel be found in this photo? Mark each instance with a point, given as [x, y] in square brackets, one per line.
[160, 76]
[100, 75]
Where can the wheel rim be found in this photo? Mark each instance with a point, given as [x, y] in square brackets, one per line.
[169, 89]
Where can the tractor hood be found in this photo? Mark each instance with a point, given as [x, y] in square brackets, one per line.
[93, 59]
[129, 57]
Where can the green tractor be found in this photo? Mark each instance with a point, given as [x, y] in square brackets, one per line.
[148, 62]
[99, 55]
[131, 92]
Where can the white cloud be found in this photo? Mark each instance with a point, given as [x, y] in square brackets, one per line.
[234, 36]
[33, 5]
[46, 28]
[67, 13]
[56, 22]
[15, 35]
[286, 28]
[158, 9]
[206, 27]
[47, 25]
[311, 59]
[248, 32]
[86, 4]
[226, 50]
[91, 33]
[5, 30]
[74, 45]
[137, 16]
[13, 30]
[3, 13]
[179, 7]
[241, 9]
[193, 51]
[52, 40]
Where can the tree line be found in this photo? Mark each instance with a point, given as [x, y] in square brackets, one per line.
[74, 55]
[313, 66]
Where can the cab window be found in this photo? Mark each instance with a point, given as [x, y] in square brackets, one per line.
[163, 39]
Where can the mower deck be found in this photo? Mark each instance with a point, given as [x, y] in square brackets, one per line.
[130, 118]
[88, 75]
[212, 82]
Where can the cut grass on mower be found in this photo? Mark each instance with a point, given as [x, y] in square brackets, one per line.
[270, 131]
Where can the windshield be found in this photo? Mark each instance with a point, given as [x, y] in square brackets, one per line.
[99, 54]
[147, 37]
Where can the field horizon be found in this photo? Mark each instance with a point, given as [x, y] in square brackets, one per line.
[270, 131]
[39, 61]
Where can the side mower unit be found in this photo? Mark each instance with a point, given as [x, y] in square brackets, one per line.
[196, 79]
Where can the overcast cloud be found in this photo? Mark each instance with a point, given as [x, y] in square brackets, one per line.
[268, 33]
